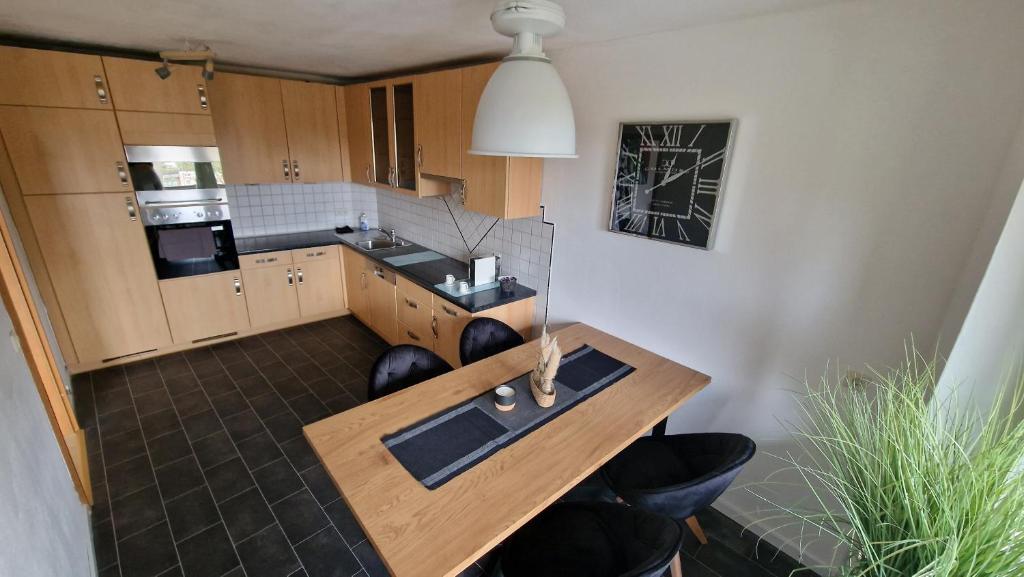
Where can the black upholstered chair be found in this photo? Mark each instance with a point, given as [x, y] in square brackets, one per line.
[592, 540]
[678, 475]
[484, 337]
[403, 366]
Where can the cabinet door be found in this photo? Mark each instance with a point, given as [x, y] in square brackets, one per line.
[438, 109]
[50, 78]
[318, 279]
[204, 306]
[404, 120]
[380, 131]
[64, 150]
[360, 134]
[248, 119]
[383, 309]
[410, 336]
[356, 285]
[135, 86]
[98, 259]
[449, 320]
[414, 311]
[311, 116]
[343, 144]
[270, 294]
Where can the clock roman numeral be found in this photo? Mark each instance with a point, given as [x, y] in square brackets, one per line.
[672, 136]
[637, 223]
[627, 179]
[682, 231]
[658, 226]
[703, 216]
[646, 136]
[624, 205]
[708, 186]
[696, 136]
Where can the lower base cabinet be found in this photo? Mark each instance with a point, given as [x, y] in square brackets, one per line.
[383, 309]
[287, 285]
[270, 294]
[357, 284]
[205, 306]
[318, 280]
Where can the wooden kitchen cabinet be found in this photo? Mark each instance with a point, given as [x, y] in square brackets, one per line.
[269, 281]
[499, 186]
[438, 105]
[205, 306]
[343, 139]
[383, 304]
[360, 137]
[49, 78]
[311, 117]
[357, 284]
[134, 86]
[64, 150]
[415, 318]
[98, 260]
[318, 280]
[248, 118]
[449, 321]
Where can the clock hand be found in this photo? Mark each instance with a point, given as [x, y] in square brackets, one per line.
[673, 177]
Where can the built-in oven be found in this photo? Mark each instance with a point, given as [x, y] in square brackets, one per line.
[184, 209]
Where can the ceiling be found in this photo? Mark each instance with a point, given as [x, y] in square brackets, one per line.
[348, 38]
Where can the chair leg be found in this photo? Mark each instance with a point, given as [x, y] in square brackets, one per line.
[660, 428]
[676, 568]
[694, 526]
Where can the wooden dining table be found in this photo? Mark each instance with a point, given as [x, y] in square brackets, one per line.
[438, 533]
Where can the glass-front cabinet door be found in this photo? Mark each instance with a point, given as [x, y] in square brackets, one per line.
[405, 138]
[380, 135]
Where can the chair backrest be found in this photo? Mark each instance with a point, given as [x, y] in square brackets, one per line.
[484, 337]
[403, 366]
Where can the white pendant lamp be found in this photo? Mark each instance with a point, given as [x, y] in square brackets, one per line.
[525, 109]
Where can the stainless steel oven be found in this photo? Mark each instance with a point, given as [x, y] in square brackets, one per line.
[184, 209]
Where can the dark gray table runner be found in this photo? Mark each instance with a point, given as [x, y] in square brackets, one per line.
[440, 447]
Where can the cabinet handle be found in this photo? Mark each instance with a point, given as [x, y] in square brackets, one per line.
[121, 173]
[465, 191]
[378, 274]
[433, 325]
[203, 102]
[295, 169]
[291, 278]
[101, 90]
[412, 335]
[131, 208]
[238, 287]
[412, 304]
[287, 172]
[299, 271]
[449, 311]
[368, 173]
[419, 156]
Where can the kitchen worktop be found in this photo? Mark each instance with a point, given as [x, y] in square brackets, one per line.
[426, 274]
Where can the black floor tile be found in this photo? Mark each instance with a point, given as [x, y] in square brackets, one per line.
[129, 476]
[146, 384]
[259, 450]
[118, 422]
[160, 423]
[169, 447]
[140, 368]
[300, 453]
[229, 404]
[293, 357]
[326, 555]
[254, 386]
[241, 369]
[214, 449]
[309, 372]
[268, 554]
[217, 384]
[153, 401]
[180, 384]
[173, 365]
[370, 560]
[243, 425]
[276, 371]
[148, 553]
[120, 448]
[269, 405]
[201, 424]
[207, 554]
[326, 389]
[300, 516]
[191, 403]
[284, 427]
[191, 513]
[104, 544]
[309, 409]
[342, 403]
[112, 571]
[137, 511]
[290, 388]
[345, 522]
[228, 479]
[208, 368]
[277, 480]
[179, 477]
[246, 514]
[110, 401]
[201, 355]
[320, 484]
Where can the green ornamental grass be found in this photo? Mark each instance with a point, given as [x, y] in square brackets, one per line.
[913, 486]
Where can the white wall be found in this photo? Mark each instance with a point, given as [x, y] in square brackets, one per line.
[870, 136]
[44, 528]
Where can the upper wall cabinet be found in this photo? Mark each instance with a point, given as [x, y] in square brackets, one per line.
[248, 119]
[360, 140]
[311, 116]
[271, 130]
[501, 186]
[64, 150]
[135, 86]
[47, 78]
[438, 105]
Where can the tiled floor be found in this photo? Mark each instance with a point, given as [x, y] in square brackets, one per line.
[200, 468]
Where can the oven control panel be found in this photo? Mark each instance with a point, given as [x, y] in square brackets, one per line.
[185, 214]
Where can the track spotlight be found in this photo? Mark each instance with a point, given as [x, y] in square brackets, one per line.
[164, 72]
[208, 69]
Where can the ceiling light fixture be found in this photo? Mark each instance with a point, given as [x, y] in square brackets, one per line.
[163, 71]
[205, 56]
[525, 109]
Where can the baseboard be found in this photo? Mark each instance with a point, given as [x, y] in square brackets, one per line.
[730, 509]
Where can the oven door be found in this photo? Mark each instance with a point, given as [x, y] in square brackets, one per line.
[190, 249]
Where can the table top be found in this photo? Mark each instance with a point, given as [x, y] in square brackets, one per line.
[427, 533]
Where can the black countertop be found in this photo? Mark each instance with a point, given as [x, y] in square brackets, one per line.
[426, 274]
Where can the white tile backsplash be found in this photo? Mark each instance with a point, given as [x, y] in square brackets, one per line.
[261, 209]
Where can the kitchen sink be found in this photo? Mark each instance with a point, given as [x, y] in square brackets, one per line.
[380, 244]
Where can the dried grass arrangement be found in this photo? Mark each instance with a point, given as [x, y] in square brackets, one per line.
[542, 379]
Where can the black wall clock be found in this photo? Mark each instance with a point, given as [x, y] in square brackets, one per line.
[668, 181]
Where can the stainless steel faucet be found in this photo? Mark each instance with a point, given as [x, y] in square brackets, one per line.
[392, 234]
